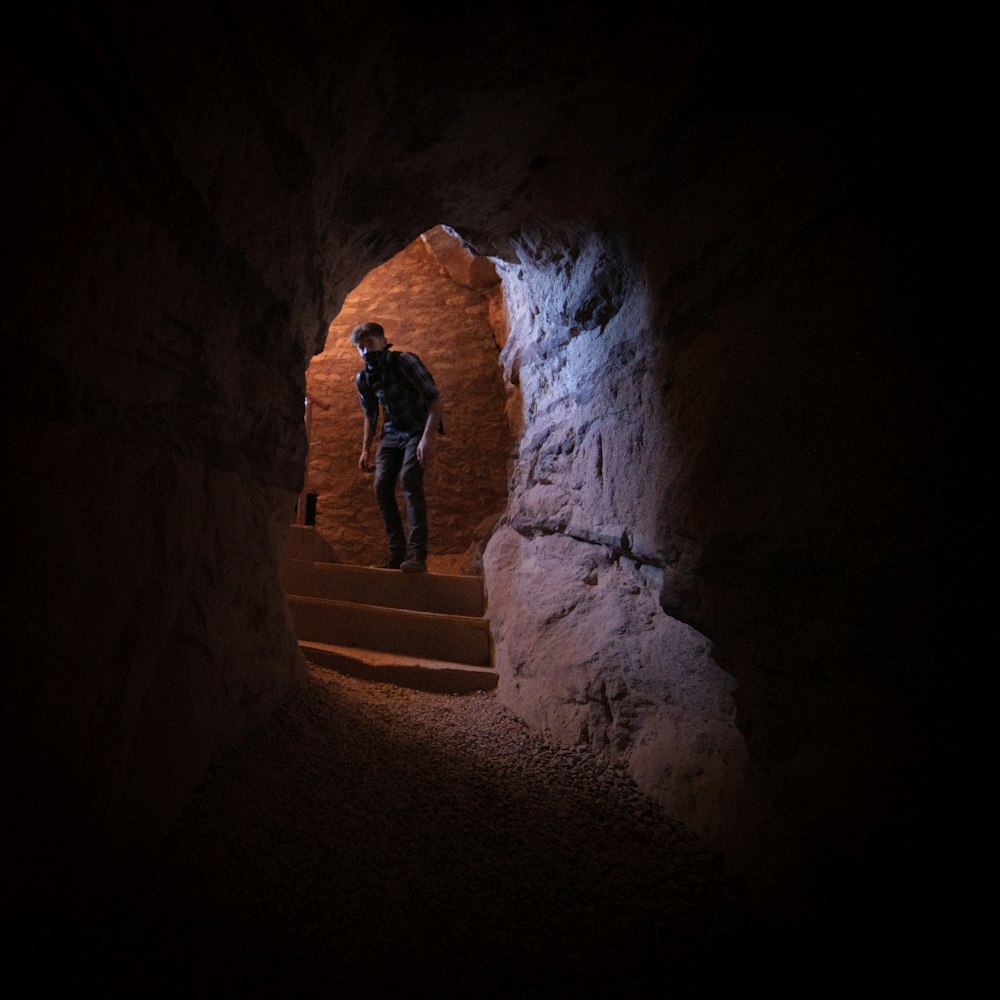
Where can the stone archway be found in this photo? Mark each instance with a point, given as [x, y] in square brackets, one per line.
[439, 301]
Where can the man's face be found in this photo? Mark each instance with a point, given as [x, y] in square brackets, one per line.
[370, 342]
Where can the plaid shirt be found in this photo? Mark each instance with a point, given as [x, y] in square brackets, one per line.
[405, 392]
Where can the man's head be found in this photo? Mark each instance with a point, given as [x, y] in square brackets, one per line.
[368, 338]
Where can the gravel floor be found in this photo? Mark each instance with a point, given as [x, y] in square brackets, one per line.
[380, 841]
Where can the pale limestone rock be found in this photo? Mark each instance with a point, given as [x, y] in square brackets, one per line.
[585, 654]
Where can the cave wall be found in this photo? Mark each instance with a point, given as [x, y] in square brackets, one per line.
[724, 611]
[575, 570]
[152, 433]
[723, 323]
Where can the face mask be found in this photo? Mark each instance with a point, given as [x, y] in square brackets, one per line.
[373, 360]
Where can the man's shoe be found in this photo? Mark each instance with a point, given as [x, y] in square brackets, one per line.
[413, 566]
[389, 564]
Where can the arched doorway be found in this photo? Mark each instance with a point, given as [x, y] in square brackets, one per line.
[444, 304]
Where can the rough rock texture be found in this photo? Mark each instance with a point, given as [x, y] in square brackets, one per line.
[586, 655]
[724, 262]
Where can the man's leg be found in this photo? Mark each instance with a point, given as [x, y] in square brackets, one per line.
[412, 481]
[388, 461]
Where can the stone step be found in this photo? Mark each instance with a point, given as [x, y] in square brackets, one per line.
[424, 674]
[431, 592]
[453, 638]
[420, 630]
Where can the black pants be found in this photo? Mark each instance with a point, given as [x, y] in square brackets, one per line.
[396, 459]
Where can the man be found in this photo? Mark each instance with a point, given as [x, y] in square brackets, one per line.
[411, 404]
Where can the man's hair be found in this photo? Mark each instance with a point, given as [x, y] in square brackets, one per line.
[364, 329]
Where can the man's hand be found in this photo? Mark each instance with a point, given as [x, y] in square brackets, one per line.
[425, 450]
[363, 464]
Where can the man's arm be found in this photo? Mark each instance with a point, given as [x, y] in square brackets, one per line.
[428, 442]
[369, 407]
[363, 464]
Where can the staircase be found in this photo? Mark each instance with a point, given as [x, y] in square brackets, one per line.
[422, 630]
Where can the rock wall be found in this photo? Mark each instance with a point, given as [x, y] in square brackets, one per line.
[152, 438]
[574, 574]
[641, 487]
